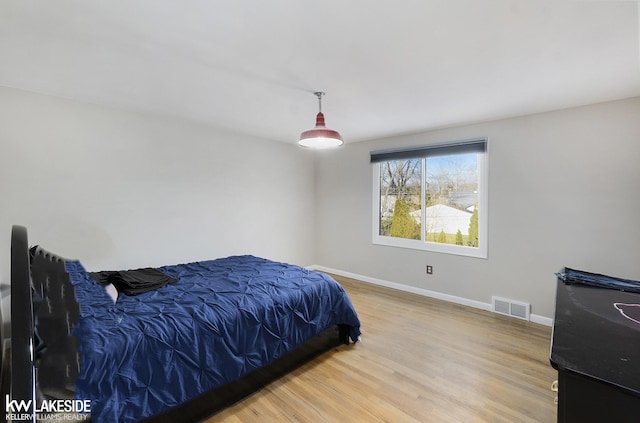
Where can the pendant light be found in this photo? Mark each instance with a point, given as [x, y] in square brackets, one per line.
[320, 136]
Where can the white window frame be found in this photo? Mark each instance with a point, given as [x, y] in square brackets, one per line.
[421, 244]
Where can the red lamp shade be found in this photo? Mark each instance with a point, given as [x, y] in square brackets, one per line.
[320, 136]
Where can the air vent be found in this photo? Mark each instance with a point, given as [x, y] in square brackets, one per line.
[511, 308]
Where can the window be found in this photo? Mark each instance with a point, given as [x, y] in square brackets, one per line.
[432, 197]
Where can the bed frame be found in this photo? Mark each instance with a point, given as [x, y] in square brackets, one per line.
[44, 358]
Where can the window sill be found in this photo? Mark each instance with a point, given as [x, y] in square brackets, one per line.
[435, 247]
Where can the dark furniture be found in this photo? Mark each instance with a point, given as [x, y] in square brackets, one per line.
[596, 350]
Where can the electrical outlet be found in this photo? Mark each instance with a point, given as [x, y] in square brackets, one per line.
[429, 270]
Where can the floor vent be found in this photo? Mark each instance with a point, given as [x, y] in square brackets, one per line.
[511, 308]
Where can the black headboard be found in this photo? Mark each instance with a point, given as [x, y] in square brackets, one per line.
[44, 353]
[22, 340]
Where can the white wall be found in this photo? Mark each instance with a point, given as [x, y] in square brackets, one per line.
[564, 191]
[119, 189]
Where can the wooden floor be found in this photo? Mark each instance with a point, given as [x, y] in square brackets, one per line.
[420, 360]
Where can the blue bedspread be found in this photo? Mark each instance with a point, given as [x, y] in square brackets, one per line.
[223, 318]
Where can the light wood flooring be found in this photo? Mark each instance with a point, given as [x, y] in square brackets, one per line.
[420, 360]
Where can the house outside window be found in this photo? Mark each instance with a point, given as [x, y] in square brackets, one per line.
[432, 197]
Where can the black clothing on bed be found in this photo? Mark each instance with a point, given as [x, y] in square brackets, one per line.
[133, 282]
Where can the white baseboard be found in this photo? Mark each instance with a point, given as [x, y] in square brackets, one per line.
[425, 292]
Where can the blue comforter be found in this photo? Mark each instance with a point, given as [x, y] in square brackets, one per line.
[145, 354]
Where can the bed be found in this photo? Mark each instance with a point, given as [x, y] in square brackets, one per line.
[176, 346]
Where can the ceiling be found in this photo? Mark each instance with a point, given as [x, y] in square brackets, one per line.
[387, 67]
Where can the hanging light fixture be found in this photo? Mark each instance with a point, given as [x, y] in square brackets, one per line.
[320, 136]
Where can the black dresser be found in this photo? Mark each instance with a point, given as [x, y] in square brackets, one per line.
[596, 349]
